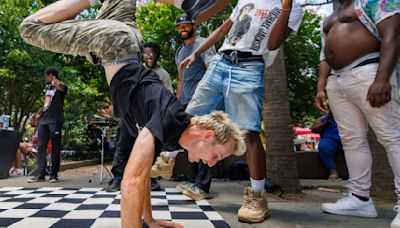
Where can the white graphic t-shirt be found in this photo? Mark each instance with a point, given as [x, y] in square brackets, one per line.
[49, 94]
[252, 24]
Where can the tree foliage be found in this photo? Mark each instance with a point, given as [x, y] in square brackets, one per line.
[22, 65]
[302, 63]
[21, 76]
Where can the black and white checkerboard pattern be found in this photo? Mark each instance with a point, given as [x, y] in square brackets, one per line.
[93, 207]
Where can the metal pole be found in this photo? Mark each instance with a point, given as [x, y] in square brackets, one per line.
[102, 154]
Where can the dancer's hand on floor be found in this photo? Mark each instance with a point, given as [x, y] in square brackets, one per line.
[164, 224]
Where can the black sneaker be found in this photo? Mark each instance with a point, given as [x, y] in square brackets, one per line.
[54, 179]
[155, 186]
[201, 10]
[37, 179]
[114, 185]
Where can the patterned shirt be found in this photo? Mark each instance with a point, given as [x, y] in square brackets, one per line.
[371, 12]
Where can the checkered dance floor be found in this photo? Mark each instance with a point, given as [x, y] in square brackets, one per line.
[93, 207]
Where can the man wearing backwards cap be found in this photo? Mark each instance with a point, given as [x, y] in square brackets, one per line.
[188, 79]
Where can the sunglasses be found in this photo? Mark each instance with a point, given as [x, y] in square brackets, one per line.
[149, 54]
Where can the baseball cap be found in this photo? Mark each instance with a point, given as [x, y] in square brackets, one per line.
[184, 19]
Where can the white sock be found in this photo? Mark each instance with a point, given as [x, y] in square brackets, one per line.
[257, 185]
[178, 3]
[172, 154]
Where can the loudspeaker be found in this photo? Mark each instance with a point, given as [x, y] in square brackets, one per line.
[9, 142]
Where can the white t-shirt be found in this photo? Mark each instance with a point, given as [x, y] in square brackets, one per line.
[252, 24]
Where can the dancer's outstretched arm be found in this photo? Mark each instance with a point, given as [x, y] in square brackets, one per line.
[135, 200]
[60, 11]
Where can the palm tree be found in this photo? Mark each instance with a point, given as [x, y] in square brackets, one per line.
[281, 160]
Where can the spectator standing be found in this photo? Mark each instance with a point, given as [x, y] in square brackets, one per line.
[50, 124]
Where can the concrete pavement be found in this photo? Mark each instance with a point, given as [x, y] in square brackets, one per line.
[292, 210]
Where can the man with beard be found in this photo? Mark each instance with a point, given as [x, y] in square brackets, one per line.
[361, 46]
[235, 81]
[188, 79]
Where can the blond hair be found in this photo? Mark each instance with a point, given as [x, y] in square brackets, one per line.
[223, 128]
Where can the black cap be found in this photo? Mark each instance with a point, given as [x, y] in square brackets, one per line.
[184, 19]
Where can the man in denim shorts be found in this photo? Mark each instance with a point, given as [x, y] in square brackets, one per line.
[139, 97]
[235, 79]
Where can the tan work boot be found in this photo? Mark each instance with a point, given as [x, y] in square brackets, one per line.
[163, 167]
[255, 206]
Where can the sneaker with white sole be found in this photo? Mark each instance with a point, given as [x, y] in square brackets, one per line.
[202, 10]
[255, 206]
[352, 206]
[54, 179]
[37, 179]
[163, 167]
[195, 193]
[183, 186]
[396, 221]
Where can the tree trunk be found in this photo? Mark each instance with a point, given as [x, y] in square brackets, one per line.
[281, 160]
[335, 4]
[382, 175]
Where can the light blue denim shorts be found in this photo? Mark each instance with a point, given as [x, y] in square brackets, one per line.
[237, 90]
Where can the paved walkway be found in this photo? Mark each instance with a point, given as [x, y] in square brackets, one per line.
[292, 210]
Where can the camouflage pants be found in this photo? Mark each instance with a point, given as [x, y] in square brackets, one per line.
[111, 37]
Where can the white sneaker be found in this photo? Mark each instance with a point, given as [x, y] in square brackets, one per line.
[351, 205]
[396, 221]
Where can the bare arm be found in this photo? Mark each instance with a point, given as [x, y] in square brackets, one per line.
[60, 86]
[280, 30]
[147, 212]
[179, 87]
[320, 98]
[215, 36]
[379, 92]
[136, 200]
[319, 125]
[134, 190]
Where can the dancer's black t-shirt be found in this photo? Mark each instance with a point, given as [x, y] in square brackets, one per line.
[140, 98]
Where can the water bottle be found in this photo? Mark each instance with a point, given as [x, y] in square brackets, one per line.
[6, 121]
